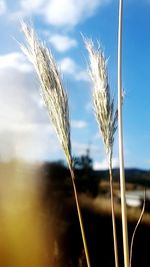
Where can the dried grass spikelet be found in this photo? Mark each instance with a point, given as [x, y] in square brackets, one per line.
[106, 116]
[56, 102]
[105, 112]
[53, 93]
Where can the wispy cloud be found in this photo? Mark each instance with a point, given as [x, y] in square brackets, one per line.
[70, 12]
[79, 124]
[15, 60]
[3, 7]
[68, 66]
[61, 14]
[35, 144]
[28, 127]
[16, 101]
[62, 43]
[25, 131]
[33, 6]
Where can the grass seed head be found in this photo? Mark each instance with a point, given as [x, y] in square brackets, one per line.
[105, 112]
[53, 93]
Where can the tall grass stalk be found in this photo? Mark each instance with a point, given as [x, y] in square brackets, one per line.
[106, 116]
[56, 101]
[120, 133]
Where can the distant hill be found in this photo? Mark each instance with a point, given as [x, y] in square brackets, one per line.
[56, 175]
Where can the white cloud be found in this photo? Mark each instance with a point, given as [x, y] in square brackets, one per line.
[82, 76]
[79, 124]
[28, 127]
[61, 13]
[16, 61]
[68, 66]
[103, 165]
[70, 12]
[29, 6]
[62, 43]
[16, 101]
[36, 144]
[25, 131]
[3, 7]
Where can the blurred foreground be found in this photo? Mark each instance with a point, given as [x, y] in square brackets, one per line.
[38, 219]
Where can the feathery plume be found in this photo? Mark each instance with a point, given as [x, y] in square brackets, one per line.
[56, 102]
[53, 93]
[105, 112]
[106, 115]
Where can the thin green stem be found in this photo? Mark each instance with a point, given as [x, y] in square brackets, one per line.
[80, 217]
[113, 214]
[120, 132]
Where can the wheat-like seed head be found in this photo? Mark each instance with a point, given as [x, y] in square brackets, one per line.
[53, 93]
[105, 112]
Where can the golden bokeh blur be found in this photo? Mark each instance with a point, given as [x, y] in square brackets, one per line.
[22, 232]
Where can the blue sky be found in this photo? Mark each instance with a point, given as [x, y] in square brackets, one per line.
[25, 130]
